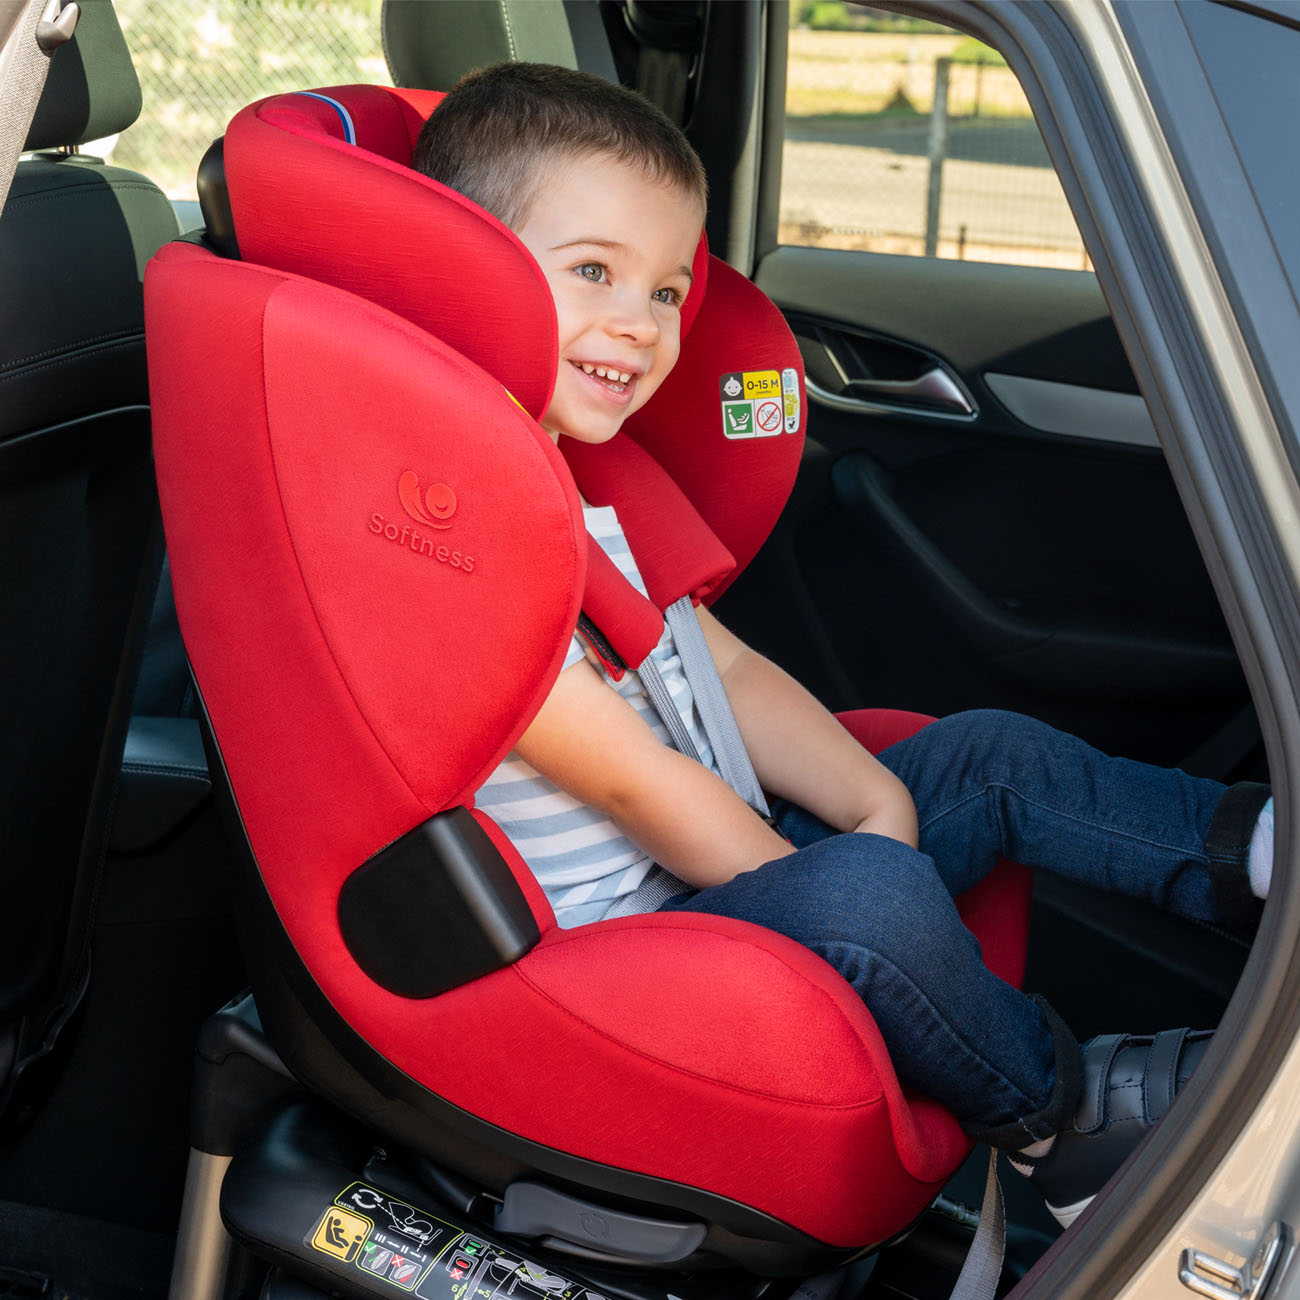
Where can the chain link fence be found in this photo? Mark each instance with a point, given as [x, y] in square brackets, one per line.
[859, 170]
[201, 61]
[869, 164]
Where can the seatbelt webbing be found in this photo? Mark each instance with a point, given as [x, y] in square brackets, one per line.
[978, 1279]
[716, 717]
[714, 708]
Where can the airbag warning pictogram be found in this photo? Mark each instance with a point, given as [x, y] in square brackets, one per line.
[759, 403]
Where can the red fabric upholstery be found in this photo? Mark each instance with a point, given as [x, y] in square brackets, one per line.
[358, 217]
[333, 633]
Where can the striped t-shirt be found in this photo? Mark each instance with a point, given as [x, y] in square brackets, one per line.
[581, 859]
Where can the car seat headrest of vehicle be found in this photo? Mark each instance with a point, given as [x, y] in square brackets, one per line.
[91, 90]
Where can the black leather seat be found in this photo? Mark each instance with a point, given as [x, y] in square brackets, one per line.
[79, 531]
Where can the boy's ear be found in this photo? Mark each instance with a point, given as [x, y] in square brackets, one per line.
[699, 283]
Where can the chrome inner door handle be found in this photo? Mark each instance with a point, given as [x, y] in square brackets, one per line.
[933, 388]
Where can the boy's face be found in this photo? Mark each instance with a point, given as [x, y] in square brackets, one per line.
[616, 249]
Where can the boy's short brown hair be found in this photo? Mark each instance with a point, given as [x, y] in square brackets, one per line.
[494, 135]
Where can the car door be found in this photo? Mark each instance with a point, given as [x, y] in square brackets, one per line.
[927, 538]
[984, 517]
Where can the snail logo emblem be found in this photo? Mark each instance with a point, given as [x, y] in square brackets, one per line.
[434, 506]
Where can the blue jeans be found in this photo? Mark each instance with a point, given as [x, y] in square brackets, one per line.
[986, 785]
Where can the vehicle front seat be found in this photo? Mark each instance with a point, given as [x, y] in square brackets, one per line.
[363, 673]
[79, 527]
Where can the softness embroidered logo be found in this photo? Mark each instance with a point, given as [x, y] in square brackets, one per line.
[435, 507]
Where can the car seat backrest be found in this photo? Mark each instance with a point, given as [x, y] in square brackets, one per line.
[378, 560]
[78, 517]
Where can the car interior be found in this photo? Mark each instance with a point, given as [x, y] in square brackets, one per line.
[414, 1093]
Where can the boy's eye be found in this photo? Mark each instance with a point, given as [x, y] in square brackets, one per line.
[592, 271]
[669, 296]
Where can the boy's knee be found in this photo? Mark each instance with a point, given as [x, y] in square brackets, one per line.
[996, 738]
[864, 888]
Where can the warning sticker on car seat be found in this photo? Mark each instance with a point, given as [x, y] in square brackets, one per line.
[758, 403]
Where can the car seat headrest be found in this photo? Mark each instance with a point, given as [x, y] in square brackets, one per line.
[319, 184]
[436, 44]
[91, 90]
[724, 433]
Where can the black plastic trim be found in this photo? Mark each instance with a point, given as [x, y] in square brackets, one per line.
[435, 909]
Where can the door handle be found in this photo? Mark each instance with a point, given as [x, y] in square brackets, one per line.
[933, 388]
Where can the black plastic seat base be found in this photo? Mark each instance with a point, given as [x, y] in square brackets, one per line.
[313, 1197]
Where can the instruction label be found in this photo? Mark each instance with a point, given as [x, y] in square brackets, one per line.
[759, 403]
[422, 1255]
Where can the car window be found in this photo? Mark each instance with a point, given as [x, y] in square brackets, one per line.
[245, 50]
[904, 136]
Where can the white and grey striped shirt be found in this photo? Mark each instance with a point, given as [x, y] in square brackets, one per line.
[581, 859]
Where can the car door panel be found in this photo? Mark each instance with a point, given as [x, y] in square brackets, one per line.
[945, 554]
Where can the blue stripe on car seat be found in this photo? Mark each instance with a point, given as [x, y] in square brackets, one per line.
[349, 131]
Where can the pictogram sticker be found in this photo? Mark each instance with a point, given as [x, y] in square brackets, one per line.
[758, 403]
[340, 1233]
[790, 397]
[738, 419]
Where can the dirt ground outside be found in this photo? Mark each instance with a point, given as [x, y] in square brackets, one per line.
[856, 171]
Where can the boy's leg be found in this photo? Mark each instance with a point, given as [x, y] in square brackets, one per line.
[989, 784]
[877, 911]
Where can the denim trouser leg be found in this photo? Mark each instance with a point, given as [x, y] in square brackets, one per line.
[986, 785]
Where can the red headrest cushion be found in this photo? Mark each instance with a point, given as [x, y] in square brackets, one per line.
[320, 185]
[356, 216]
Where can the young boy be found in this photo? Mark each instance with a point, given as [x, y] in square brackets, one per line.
[609, 198]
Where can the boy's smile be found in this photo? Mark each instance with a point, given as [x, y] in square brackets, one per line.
[615, 246]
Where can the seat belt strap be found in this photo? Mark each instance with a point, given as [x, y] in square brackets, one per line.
[978, 1279]
[711, 702]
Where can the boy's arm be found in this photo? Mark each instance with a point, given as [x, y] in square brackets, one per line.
[800, 751]
[595, 746]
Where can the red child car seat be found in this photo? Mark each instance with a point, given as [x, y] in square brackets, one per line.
[379, 559]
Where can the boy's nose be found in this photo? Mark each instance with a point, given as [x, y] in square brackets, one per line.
[636, 321]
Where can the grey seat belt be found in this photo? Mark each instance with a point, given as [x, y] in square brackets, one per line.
[719, 724]
[978, 1279]
[30, 32]
[716, 717]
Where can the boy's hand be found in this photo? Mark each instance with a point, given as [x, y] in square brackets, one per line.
[800, 751]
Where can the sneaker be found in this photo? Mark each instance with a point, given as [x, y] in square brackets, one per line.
[1129, 1082]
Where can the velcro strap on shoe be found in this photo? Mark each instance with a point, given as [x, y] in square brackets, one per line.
[1160, 1080]
[1226, 844]
[1099, 1055]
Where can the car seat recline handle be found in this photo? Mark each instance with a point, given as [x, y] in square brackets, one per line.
[933, 388]
[569, 1223]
